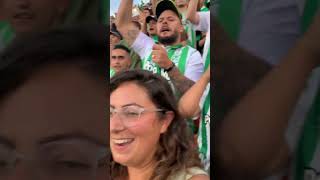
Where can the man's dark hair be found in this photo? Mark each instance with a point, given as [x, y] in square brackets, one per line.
[81, 47]
[123, 47]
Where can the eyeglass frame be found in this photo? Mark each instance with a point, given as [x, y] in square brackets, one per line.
[142, 111]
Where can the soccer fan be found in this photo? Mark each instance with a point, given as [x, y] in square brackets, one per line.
[182, 65]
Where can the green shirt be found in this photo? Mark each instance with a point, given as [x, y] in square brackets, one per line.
[112, 73]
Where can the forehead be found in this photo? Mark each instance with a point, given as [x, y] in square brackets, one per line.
[168, 13]
[112, 35]
[56, 100]
[119, 52]
[138, 94]
[152, 21]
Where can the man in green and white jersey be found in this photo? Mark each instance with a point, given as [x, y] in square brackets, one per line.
[182, 65]
[201, 20]
[202, 23]
[182, 6]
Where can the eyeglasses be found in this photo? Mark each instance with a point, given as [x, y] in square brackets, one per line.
[130, 115]
[64, 159]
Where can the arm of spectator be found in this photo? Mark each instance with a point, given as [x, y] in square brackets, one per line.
[154, 5]
[236, 71]
[181, 82]
[160, 56]
[124, 22]
[192, 14]
[143, 23]
[202, 41]
[189, 102]
[259, 147]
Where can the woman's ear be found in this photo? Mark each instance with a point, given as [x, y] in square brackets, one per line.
[166, 121]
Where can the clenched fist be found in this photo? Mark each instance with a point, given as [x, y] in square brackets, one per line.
[160, 56]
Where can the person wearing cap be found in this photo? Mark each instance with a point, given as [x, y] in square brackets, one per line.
[115, 37]
[201, 20]
[151, 22]
[181, 65]
[182, 6]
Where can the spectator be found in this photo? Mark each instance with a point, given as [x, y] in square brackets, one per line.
[195, 102]
[149, 139]
[115, 37]
[151, 22]
[182, 6]
[120, 58]
[202, 22]
[155, 57]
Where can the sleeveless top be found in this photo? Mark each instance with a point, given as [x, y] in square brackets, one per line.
[187, 174]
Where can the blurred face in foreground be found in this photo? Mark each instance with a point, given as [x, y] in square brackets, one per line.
[34, 15]
[53, 127]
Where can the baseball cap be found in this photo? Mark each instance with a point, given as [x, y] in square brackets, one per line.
[115, 32]
[166, 5]
[149, 18]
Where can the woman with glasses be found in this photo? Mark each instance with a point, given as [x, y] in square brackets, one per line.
[148, 138]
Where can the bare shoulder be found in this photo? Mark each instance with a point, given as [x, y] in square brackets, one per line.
[200, 177]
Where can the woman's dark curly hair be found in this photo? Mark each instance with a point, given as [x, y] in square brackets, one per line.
[176, 149]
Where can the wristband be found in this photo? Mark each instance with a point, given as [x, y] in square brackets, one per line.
[170, 68]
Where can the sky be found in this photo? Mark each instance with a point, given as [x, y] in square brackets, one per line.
[114, 4]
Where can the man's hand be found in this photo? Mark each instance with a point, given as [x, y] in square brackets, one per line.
[160, 56]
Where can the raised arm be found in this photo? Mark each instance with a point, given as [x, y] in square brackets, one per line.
[235, 71]
[192, 15]
[154, 5]
[124, 22]
[189, 102]
[259, 146]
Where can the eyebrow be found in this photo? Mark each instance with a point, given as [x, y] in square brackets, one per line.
[132, 104]
[126, 105]
[68, 136]
[5, 141]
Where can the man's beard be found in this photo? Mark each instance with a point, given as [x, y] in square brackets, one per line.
[168, 40]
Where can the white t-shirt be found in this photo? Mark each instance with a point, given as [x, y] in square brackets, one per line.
[194, 65]
[204, 26]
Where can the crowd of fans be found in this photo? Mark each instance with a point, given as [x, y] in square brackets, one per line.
[170, 39]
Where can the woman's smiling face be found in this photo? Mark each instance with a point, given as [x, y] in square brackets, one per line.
[135, 145]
